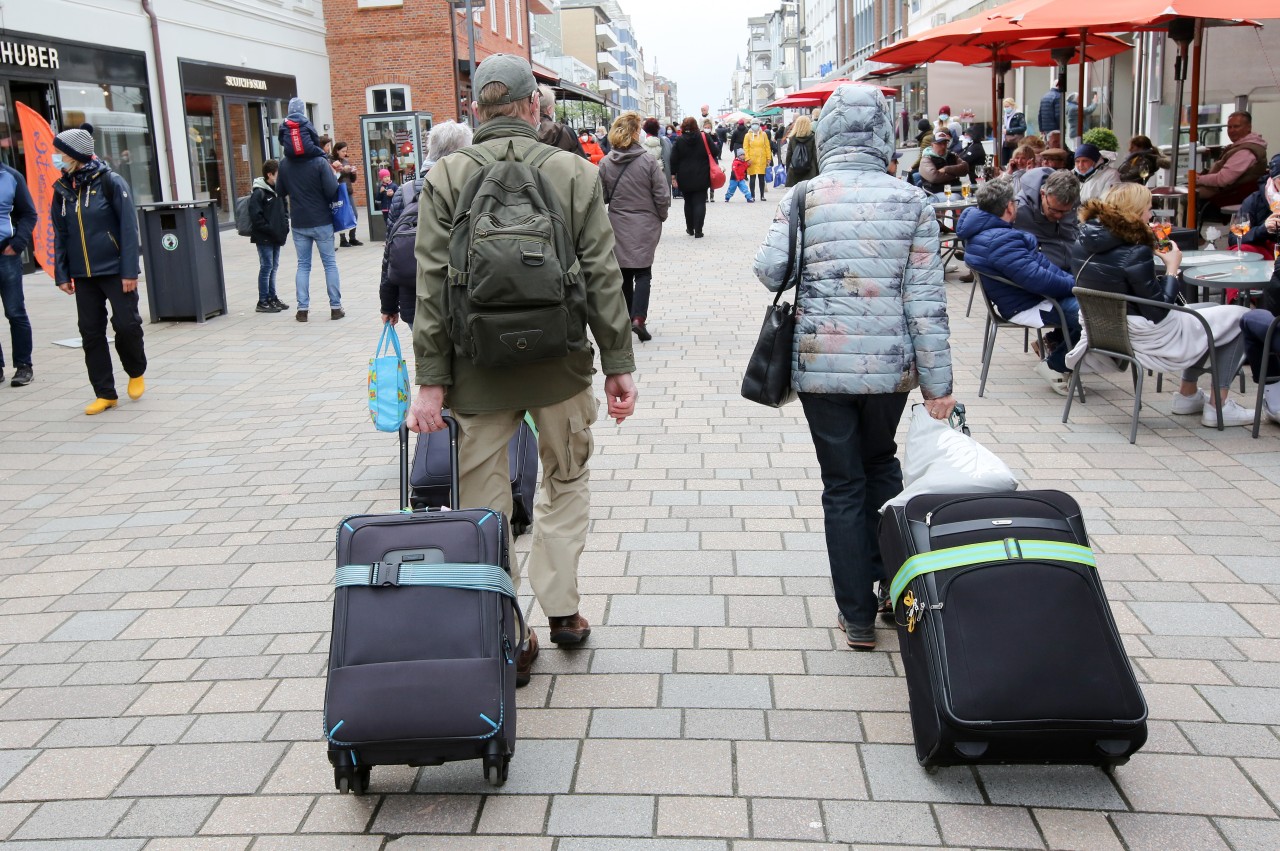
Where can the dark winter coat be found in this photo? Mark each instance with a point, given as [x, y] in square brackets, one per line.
[739, 135]
[267, 215]
[1258, 211]
[1050, 117]
[689, 163]
[794, 174]
[639, 198]
[1116, 255]
[311, 187]
[993, 247]
[556, 135]
[95, 230]
[1150, 160]
[974, 156]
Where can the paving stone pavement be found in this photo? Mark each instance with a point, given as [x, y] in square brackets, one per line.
[164, 605]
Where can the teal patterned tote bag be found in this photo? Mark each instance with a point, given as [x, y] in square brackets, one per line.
[388, 382]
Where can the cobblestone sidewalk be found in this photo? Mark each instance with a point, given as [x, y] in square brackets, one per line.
[165, 579]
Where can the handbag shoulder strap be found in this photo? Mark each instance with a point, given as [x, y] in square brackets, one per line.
[608, 195]
[795, 240]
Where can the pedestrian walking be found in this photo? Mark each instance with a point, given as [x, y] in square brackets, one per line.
[709, 131]
[859, 350]
[17, 222]
[386, 194]
[95, 244]
[802, 152]
[589, 144]
[346, 174]
[738, 177]
[270, 222]
[489, 401]
[657, 145]
[759, 154]
[739, 134]
[636, 191]
[550, 131]
[691, 174]
[311, 187]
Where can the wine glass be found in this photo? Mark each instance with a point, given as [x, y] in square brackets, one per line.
[1240, 227]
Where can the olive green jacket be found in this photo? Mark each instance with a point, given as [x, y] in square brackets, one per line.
[473, 389]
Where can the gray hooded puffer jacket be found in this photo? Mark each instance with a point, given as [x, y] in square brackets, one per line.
[872, 308]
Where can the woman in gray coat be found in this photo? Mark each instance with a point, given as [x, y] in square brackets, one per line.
[635, 188]
[871, 326]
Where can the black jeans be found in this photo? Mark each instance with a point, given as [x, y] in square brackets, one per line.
[695, 211]
[92, 296]
[853, 436]
[755, 179]
[635, 286]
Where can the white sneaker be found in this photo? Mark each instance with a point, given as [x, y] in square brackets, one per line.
[1233, 414]
[1270, 413]
[1190, 404]
[1059, 381]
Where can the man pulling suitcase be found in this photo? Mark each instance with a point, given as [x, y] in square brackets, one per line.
[504, 330]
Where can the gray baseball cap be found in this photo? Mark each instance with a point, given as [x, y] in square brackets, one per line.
[512, 71]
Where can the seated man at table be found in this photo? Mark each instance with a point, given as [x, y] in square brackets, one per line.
[1055, 158]
[1095, 174]
[1048, 208]
[941, 167]
[994, 247]
[1264, 225]
[1235, 174]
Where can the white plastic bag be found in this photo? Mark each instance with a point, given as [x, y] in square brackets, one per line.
[942, 459]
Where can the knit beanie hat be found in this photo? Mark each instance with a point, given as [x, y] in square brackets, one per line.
[382, 172]
[76, 143]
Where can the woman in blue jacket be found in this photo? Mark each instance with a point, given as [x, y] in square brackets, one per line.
[95, 244]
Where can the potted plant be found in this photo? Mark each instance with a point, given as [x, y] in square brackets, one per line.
[1103, 138]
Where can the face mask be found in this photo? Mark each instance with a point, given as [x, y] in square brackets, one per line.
[966, 140]
[1008, 110]
[755, 128]
[944, 117]
[59, 163]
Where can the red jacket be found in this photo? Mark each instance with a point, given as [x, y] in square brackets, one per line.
[594, 153]
[739, 169]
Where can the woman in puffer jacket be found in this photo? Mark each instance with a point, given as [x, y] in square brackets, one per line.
[871, 326]
[1116, 253]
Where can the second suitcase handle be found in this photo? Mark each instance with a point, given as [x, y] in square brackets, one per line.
[452, 426]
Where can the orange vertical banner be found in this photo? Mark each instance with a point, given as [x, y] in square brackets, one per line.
[37, 141]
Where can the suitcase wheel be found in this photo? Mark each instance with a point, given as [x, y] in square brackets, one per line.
[351, 780]
[496, 761]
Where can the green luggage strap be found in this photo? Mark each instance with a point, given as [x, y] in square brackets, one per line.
[1006, 550]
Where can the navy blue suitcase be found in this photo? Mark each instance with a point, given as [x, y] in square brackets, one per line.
[431, 471]
[426, 631]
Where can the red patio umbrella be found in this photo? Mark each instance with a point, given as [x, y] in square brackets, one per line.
[1184, 20]
[824, 90]
[796, 101]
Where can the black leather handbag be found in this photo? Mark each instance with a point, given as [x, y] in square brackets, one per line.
[768, 377]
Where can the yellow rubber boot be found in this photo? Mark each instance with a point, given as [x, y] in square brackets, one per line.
[97, 406]
[137, 386]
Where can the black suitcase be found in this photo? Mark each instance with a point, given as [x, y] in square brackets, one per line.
[1010, 650]
[426, 631]
[430, 475]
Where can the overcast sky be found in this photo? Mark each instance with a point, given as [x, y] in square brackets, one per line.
[695, 43]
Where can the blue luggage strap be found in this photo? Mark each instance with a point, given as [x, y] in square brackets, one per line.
[992, 551]
[466, 577]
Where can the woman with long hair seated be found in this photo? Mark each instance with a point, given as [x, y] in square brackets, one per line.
[1116, 253]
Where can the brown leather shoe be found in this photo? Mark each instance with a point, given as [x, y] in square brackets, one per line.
[572, 629]
[524, 663]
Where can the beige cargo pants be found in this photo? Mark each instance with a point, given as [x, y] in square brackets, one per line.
[562, 506]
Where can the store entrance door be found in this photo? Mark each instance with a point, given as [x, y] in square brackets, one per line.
[246, 133]
[40, 97]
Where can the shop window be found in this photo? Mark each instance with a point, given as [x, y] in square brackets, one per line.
[388, 98]
[121, 136]
[377, 4]
[519, 24]
[506, 16]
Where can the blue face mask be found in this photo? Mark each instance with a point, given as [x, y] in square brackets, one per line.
[59, 163]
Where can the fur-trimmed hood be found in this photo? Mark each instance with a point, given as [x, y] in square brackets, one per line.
[1104, 227]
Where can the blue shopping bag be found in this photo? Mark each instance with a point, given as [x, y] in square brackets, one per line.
[780, 176]
[768, 175]
[344, 215]
[388, 382]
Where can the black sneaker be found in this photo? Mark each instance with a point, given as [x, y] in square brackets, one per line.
[22, 377]
[302, 316]
[278, 303]
[354, 242]
[267, 307]
[344, 243]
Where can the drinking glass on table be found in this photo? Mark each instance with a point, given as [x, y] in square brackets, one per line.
[964, 191]
[1161, 226]
[1240, 227]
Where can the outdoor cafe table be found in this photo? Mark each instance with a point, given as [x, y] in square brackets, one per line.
[1223, 276]
[950, 243]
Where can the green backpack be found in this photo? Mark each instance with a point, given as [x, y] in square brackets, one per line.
[515, 292]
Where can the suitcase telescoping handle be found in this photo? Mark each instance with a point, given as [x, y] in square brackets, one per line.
[452, 425]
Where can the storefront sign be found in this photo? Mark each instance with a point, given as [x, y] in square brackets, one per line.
[236, 82]
[28, 55]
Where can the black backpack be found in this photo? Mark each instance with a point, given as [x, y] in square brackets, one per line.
[800, 156]
[401, 264]
[515, 292]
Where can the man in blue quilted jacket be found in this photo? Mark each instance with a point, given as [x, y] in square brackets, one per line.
[993, 247]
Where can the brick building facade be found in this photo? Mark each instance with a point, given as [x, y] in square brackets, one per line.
[407, 48]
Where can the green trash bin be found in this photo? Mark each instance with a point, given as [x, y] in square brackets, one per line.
[182, 258]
